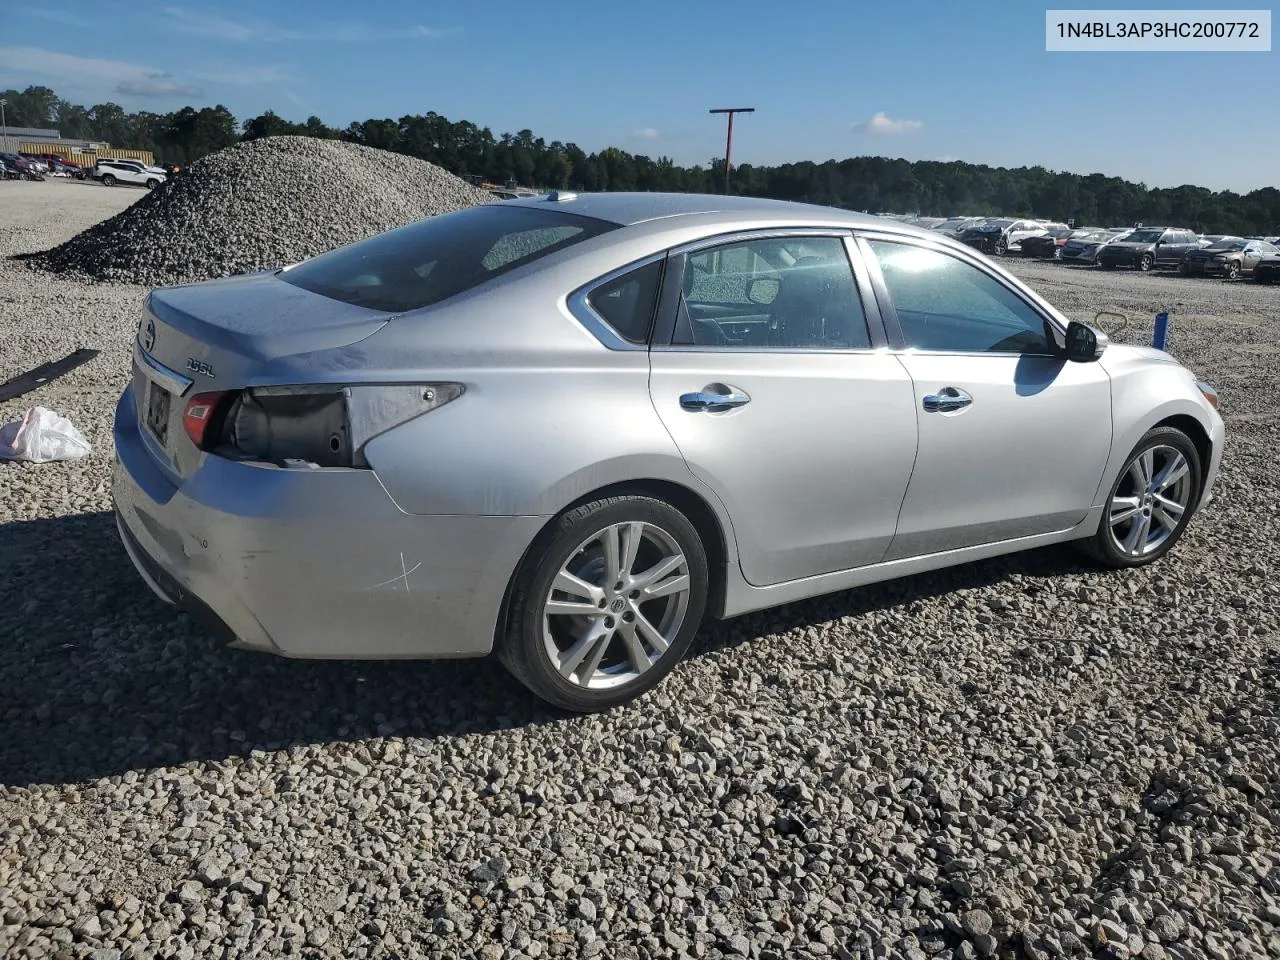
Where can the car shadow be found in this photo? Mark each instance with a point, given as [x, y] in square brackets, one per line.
[102, 678]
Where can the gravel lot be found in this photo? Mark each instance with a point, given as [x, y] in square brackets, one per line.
[1022, 758]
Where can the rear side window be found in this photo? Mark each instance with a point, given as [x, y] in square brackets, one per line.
[627, 302]
[431, 260]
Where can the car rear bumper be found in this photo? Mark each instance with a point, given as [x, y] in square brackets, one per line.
[312, 563]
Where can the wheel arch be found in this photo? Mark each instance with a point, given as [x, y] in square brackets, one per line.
[1198, 435]
[716, 535]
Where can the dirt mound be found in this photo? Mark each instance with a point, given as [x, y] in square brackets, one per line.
[259, 205]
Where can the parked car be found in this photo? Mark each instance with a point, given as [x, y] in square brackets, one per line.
[1047, 246]
[37, 161]
[296, 454]
[1083, 245]
[140, 166]
[1227, 258]
[955, 225]
[1148, 247]
[1000, 235]
[1267, 270]
[27, 169]
[111, 172]
[9, 170]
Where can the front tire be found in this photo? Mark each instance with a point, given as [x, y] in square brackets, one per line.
[606, 603]
[1233, 271]
[152, 184]
[108, 180]
[1146, 263]
[1150, 502]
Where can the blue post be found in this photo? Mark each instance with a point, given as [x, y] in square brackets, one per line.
[1161, 338]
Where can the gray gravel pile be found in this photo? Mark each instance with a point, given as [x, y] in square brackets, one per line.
[1021, 758]
[259, 205]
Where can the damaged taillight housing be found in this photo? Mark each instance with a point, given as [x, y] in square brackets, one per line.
[314, 425]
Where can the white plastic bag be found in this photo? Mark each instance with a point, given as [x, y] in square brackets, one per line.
[40, 436]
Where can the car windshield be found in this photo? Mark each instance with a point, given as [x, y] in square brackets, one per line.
[1144, 236]
[1058, 232]
[1227, 245]
[434, 259]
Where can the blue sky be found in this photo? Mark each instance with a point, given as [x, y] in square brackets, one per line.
[951, 79]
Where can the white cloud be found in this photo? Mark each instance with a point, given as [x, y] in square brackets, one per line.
[881, 124]
[946, 158]
[50, 63]
[124, 79]
[188, 20]
[645, 133]
[157, 85]
[92, 77]
[243, 75]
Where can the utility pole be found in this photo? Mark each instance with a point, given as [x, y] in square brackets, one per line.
[4, 127]
[728, 146]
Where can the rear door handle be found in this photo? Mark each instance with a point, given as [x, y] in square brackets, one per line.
[713, 400]
[946, 400]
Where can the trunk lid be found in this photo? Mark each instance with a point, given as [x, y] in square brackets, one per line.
[224, 335]
[252, 320]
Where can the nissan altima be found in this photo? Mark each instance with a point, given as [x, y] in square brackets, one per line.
[567, 430]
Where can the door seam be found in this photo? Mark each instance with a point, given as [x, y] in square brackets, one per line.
[915, 459]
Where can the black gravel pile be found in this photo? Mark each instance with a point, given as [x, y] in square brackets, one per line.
[259, 205]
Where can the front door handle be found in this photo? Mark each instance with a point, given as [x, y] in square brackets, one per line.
[712, 400]
[946, 400]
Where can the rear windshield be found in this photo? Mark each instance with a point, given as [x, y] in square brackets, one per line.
[434, 259]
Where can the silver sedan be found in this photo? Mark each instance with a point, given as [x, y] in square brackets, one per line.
[568, 429]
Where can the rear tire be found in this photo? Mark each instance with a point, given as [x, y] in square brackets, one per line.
[585, 630]
[1150, 503]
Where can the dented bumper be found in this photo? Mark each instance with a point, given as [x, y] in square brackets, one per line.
[312, 563]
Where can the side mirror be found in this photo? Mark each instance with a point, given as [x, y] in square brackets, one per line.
[1084, 343]
[762, 290]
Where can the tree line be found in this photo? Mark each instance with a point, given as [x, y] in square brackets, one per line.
[857, 183]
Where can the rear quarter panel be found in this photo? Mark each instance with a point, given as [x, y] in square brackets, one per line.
[549, 414]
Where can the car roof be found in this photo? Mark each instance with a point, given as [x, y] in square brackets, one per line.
[628, 209]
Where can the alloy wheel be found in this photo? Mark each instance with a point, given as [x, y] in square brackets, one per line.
[1150, 500]
[616, 605]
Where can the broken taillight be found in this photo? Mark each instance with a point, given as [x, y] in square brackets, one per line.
[200, 413]
[324, 425]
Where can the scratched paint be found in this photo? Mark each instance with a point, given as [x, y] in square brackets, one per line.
[403, 577]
